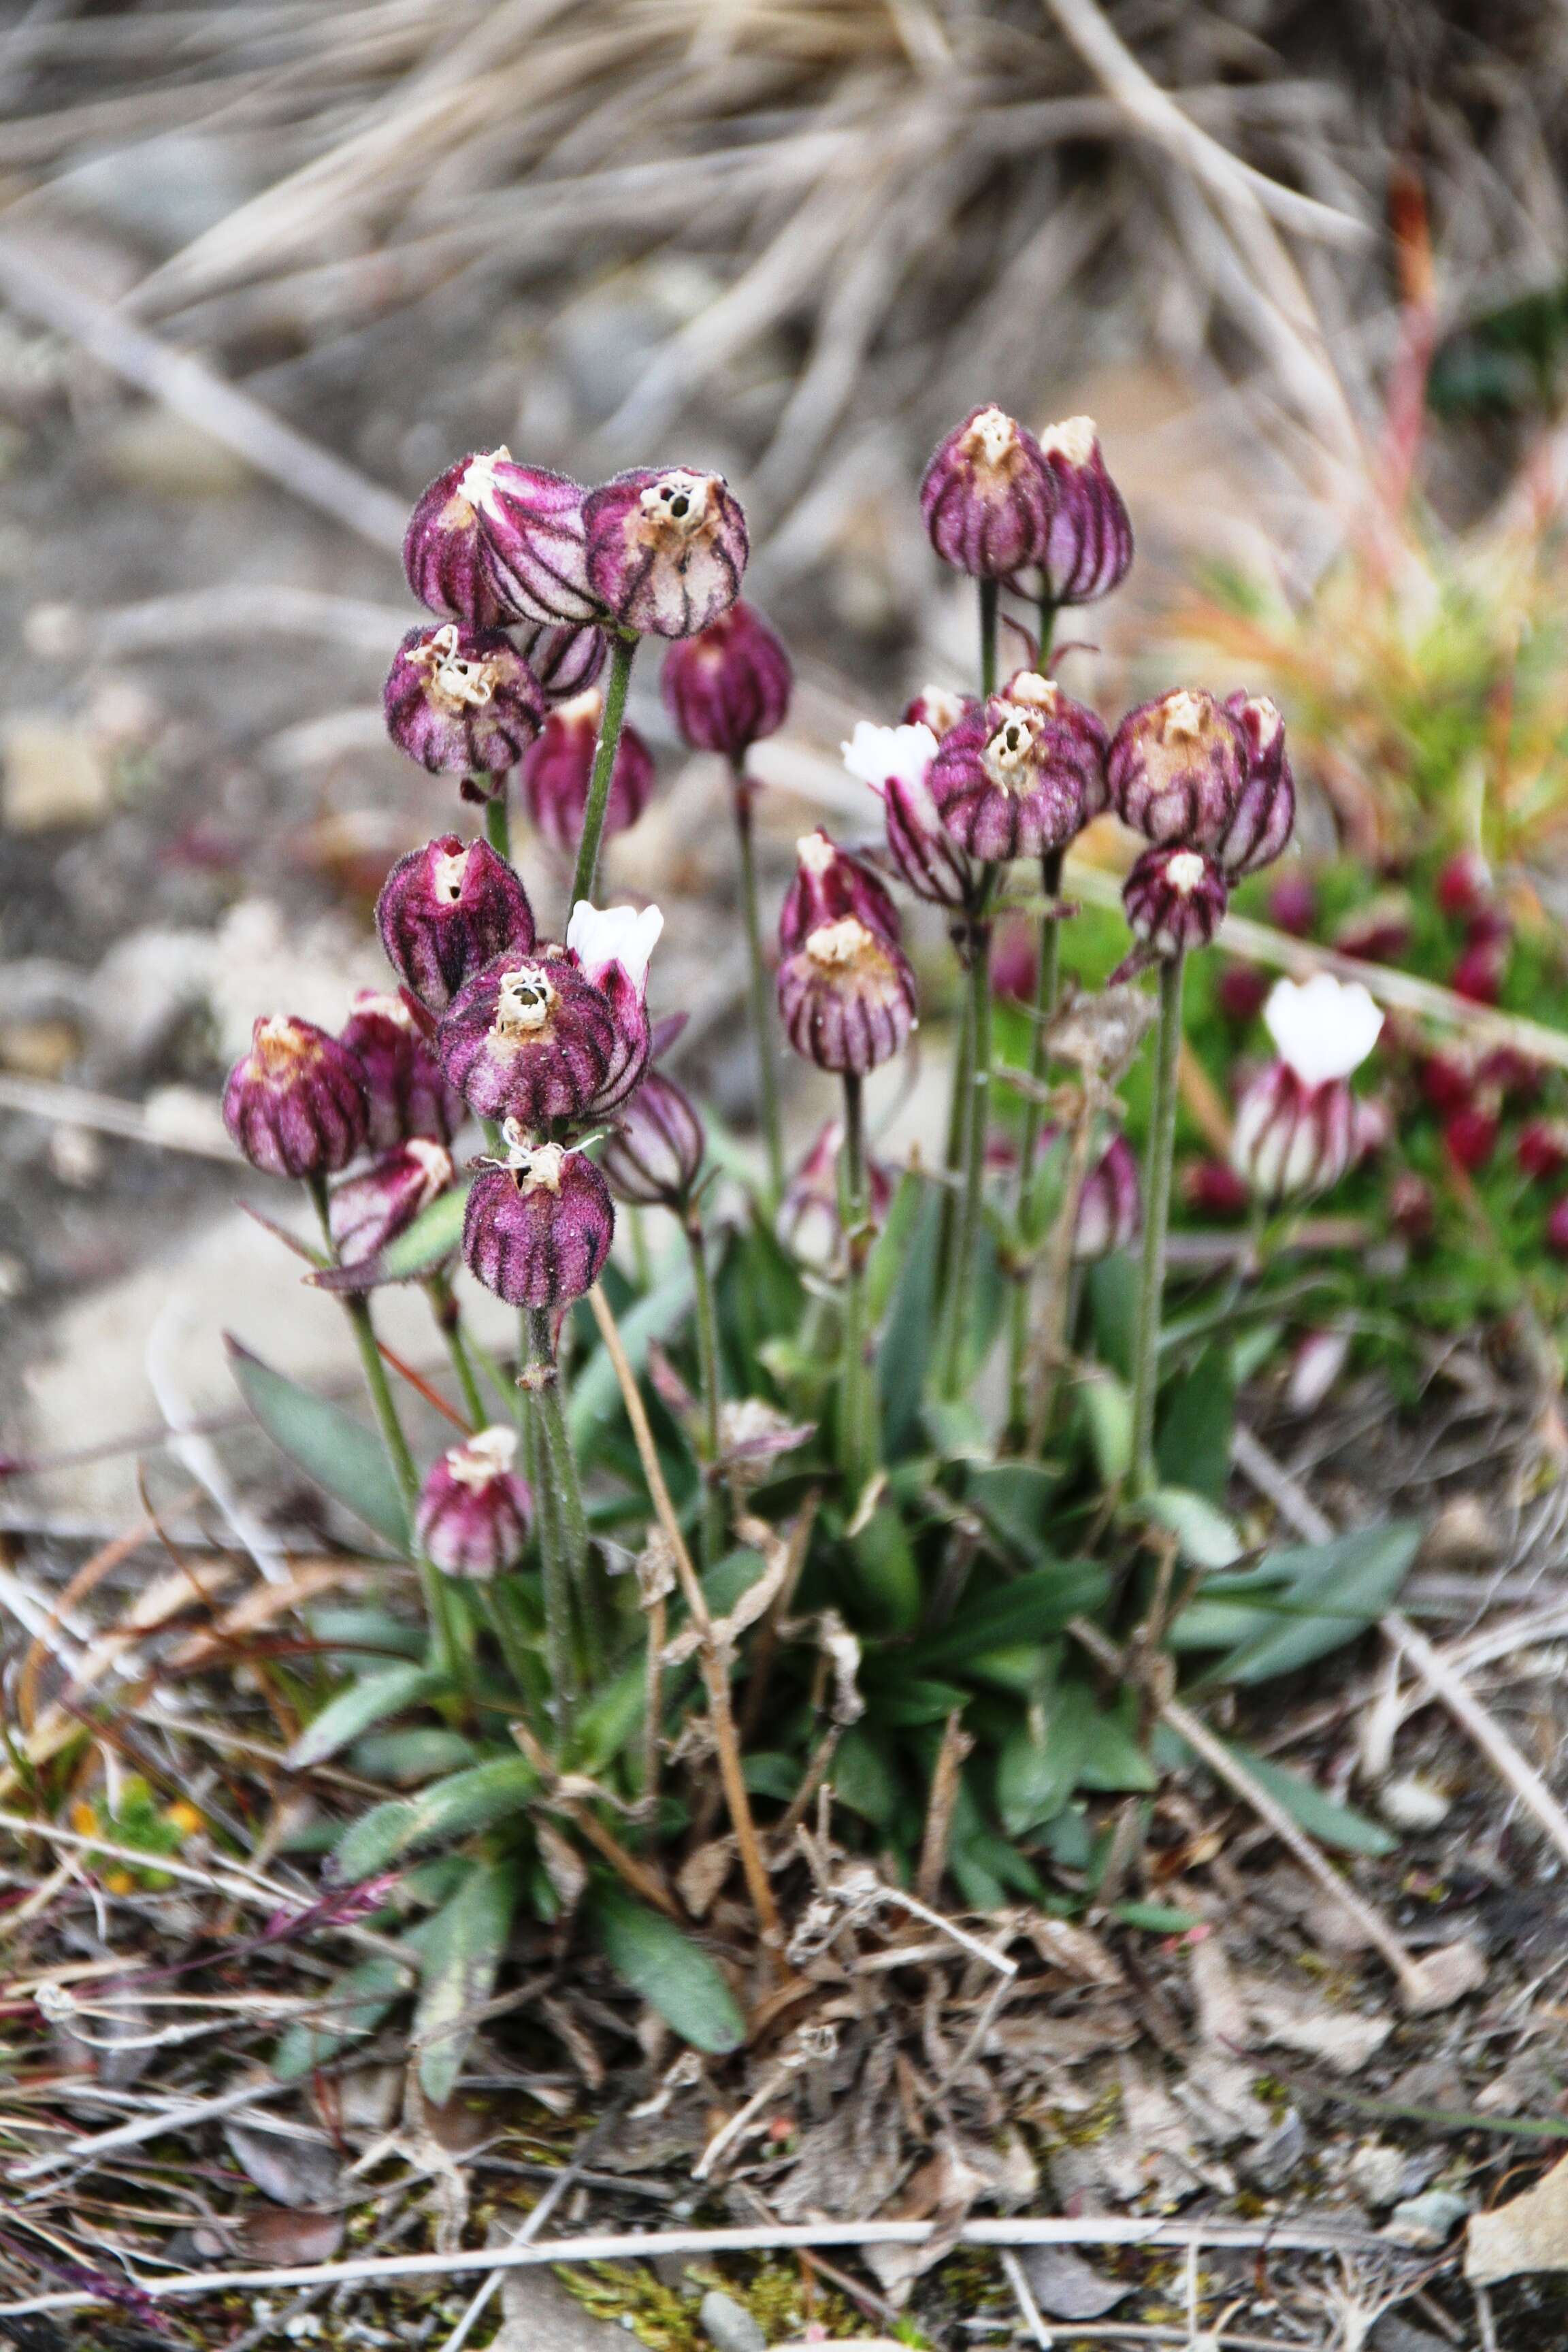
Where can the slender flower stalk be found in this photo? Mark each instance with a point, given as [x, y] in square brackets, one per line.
[622, 647]
[356, 1307]
[498, 822]
[1156, 1218]
[562, 1525]
[713, 1519]
[858, 1434]
[449, 1322]
[761, 985]
[988, 604]
[977, 1120]
[1047, 981]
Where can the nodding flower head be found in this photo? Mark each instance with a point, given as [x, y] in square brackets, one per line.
[809, 1224]
[986, 497]
[366, 1213]
[654, 1157]
[1175, 900]
[529, 1039]
[566, 656]
[1265, 815]
[443, 552]
[666, 549]
[846, 995]
[295, 1103]
[1088, 546]
[612, 946]
[1295, 1130]
[404, 1086]
[1178, 767]
[1022, 773]
[446, 910]
[729, 687]
[537, 1231]
[896, 762]
[531, 538]
[462, 701]
[829, 883]
[474, 1511]
[557, 769]
[1110, 1205]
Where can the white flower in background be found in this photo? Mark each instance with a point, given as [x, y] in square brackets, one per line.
[602, 936]
[1324, 1027]
[1296, 1126]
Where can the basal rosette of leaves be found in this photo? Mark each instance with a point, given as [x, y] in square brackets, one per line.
[793, 1483]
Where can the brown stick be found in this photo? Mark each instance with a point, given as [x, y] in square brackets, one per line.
[715, 1665]
[956, 1744]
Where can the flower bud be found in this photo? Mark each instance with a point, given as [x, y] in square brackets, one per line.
[1463, 887]
[809, 1224]
[829, 884]
[474, 1511]
[986, 497]
[654, 1155]
[896, 762]
[1211, 1188]
[1478, 972]
[847, 997]
[1449, 1075]
[295, 1104]
[531, 538]
[1088, 546]
[612, 946]
[366, 1213]
[728, 687]
[1021, 774]
[1175, 900]
[938, 708]
[1471, 1134]
[1177, 769]
[1293, 904]
[446, 910]
[566, 656]
[404, 1086]
[1266, 812]
[557, 770]
[1015, 959]
[537, 1231]
[666, 549]
[1378, 932]
[1542, 1147]
[462, 701]
[1291, 1138]
[442, 553]
[1240, 991]
[528, 1038]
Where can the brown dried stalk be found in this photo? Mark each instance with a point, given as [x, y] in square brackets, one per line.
[715, 1661]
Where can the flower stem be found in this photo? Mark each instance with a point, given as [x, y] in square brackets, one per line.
[622, 648]
[563, 1527]
[498, 819]
[976, 1122]
[1156, 1218]
[856, 1435]
[953, 1157]
[741, 799]
[988, 603]
[1048, 631]
[449, 1321]
[1048, 977]
[708, 1365]
[432, 1583]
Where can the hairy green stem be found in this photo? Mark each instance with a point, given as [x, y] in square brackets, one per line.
[977, 1124]
[1048, 631]
[952, 1156]
[760, 987]
[498, 816]
[449, 1322]
[564, 1527]
[622, 648]
[988, 605]
[857, 1432]
[1156, 1218]
[1048, 978]
[708, 1371]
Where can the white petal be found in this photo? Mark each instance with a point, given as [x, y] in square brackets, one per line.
[600, 936]
[1324, 1027]
[877, 754]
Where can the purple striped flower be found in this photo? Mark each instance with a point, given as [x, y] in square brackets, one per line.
[1022, 773]
[612, 946]
[987, 497]
[1177, 768]
[529, 1039]
[557, 768]
[531, 538]
[462, 701]
[295, 1104]
[566, 656]
[446, 910]
[829, 884]
[654, 1155]
[1266, 812]
[1175, 900]
[1296, 1126]
[367, 1211]
[730, 685]
[474, 1511]
[845, 992]
[666, 549]
[404, 1086]
[1088, 546]
[537, 1231]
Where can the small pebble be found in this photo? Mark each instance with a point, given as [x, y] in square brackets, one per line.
[729, 2325]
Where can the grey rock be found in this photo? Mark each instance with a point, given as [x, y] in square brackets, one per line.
[1269, 2165]
[540, 2315]
[1392, 2334]
[729, 2325]
[1427, 2222]
[1067, 2287]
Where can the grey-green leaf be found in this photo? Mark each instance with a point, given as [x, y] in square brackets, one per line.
[370, 1700]
[674, 1975]
[1334, 1592]
[1331, 1824]
[329, 1444]
[433, 1236]
[368, 1844]
[461, 1951]
[350, 2007]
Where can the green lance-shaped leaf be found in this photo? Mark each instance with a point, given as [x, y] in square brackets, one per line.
[1331, 1824]
[1333, 1592]
[462, 1950]
[352, 2006]
[1031, 1609]
[370, 1700]
[674, 1975]
[329, 1444]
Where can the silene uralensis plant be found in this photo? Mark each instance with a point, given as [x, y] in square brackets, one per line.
[818, 1494]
